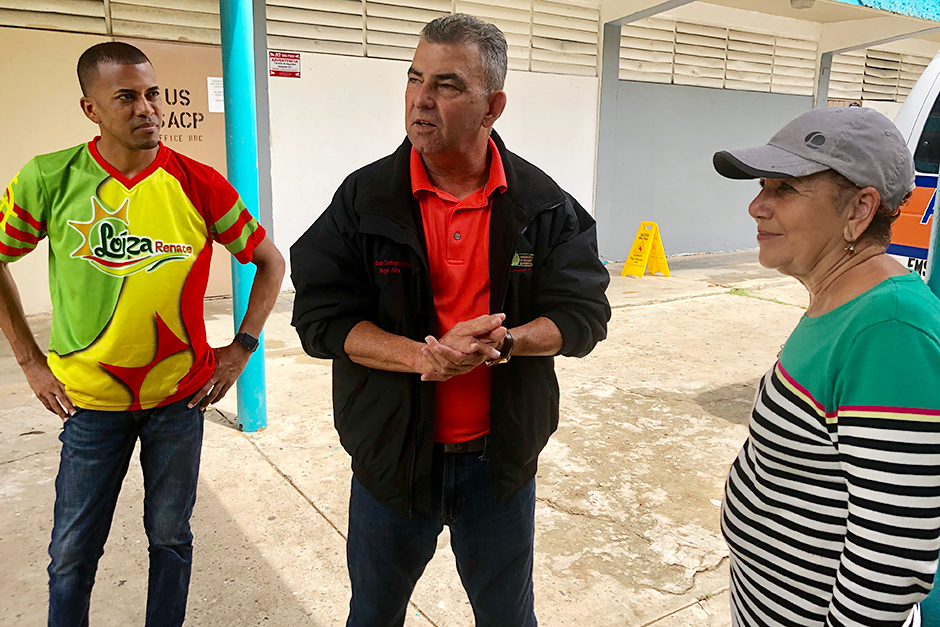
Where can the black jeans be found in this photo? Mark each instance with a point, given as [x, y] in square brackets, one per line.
[493, 543]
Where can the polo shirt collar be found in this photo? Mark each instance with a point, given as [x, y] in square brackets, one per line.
[420, 182]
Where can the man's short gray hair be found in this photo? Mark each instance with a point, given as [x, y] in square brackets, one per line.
[460, 28]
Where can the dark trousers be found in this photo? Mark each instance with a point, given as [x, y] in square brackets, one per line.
[493, 543]
[96, 450]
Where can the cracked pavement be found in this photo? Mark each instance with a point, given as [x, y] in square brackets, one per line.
[629, 488]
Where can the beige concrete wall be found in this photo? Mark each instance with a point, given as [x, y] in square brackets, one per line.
[40, 113]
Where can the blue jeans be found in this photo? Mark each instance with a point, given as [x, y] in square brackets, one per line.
[493, 543]
[96, 450]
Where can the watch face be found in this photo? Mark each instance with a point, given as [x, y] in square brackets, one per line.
[249, 342]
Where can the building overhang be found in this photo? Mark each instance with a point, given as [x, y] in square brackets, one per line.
[841, 25]
[916, 15]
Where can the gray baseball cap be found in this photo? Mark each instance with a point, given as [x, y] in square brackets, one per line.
[860, 144]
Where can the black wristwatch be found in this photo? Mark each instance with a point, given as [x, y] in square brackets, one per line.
[248, 341]
[505, 352]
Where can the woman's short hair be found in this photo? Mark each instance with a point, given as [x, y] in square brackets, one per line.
[879, 230]
[460, 28]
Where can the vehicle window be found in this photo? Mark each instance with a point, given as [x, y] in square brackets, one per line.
[927, 155]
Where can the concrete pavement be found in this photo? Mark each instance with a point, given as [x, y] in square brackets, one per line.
[629, 487]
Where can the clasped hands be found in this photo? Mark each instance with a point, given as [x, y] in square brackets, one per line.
[467, 345]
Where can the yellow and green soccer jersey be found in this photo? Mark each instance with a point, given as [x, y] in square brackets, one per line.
[128, 268]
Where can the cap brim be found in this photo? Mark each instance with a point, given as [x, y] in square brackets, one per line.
[764, 162]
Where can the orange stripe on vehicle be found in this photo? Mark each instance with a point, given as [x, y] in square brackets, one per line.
[907, 230]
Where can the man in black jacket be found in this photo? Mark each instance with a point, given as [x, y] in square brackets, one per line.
[449, 254]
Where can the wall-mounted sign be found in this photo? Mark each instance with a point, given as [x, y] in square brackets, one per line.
[284, 64]
[216, 94]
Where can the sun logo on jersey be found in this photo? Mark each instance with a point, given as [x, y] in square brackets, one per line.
[111, 248]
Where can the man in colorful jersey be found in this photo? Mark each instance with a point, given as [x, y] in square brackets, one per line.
[130, 225]
[447, 254]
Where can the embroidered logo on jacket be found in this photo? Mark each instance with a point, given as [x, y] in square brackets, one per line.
[390, 266]
[522, 261]
[111, 248]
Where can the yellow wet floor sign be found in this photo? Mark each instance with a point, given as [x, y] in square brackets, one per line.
[647, 252]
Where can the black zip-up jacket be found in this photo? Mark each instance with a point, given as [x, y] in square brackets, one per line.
[365, 259]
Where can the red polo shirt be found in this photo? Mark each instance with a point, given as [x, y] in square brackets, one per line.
[457, 234]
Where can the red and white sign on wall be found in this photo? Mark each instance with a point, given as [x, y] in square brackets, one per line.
[284, 64]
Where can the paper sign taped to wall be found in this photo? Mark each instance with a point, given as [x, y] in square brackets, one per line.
[284, 64]
[216, 94]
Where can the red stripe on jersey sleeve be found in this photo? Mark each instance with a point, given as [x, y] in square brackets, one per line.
[26, 217]
[23, 236]
[9, 251]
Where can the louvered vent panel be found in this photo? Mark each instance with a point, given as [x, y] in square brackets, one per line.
[750, 61]
[661, 50]
[169, 20]
[80, 16]
[847, 75]
[701, 52]
[647, 50]
[794, 69]
[514, 18]
[564, 38]
[392, 28]
[324, 26]
[554, 36]
[542, 35]
[912, 66]
[876, 74]
[882, 72]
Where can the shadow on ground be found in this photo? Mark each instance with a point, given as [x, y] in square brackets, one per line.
[232, 584]
[222, 418]
[730, 402]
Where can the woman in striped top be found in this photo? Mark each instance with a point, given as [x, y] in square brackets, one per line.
[832, 507]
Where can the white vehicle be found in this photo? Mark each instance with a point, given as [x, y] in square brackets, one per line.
[919, 123]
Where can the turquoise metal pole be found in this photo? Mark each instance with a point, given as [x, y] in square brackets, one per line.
[241, 149]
